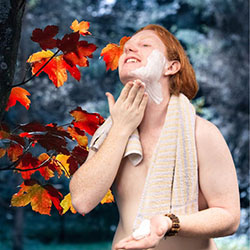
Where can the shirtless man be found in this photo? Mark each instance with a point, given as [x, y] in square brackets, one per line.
[218, 196]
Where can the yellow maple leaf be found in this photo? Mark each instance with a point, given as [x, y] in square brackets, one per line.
[38, 56]
[66, 204]
[63, 163]
[109, 198]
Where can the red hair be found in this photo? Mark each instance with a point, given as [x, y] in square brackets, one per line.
[184, 81]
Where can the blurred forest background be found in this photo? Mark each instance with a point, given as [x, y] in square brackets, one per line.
[215, 34]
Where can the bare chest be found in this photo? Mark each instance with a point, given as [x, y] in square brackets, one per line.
[130, 179]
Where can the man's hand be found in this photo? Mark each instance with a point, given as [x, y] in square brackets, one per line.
[159, 226]
[127, 112]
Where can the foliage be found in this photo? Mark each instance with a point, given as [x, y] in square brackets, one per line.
[58, 158]
[216, 39]
[112, 52]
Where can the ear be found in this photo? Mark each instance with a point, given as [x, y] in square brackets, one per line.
[172, 68]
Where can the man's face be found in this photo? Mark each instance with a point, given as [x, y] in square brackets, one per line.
[136, 53]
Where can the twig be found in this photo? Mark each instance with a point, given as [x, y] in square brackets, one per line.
[22, 83]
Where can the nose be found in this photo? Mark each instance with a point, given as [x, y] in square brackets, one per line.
[130, 47]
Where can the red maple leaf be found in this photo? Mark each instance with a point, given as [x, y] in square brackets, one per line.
[51, 137]
[80, 154]
[88, 122]
[69, 42]
[45, 38]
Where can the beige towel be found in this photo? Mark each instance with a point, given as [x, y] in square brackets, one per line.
[172, 179]
[133, 149]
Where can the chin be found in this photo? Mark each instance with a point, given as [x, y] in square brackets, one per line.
[124, 78]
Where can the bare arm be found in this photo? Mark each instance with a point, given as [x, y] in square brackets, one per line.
[218, 183]
[92, 180]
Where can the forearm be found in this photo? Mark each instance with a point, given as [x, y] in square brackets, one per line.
[93, 179]
[209, 223]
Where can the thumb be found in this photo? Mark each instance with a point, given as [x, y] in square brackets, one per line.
[111, 100]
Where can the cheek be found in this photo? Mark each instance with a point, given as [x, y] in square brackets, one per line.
[121, 59]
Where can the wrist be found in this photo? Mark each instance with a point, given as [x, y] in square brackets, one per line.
[175, 225]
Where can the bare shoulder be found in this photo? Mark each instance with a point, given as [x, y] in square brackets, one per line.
[204, 126]
[206, 131]
[210, 143]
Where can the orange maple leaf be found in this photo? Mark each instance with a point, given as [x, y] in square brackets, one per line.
[79, 136]
[14, 151]
[82, 27]
[40, 197]
[55, 69]
[112, 52]
[109, 198]
[45, 170]
[2, 152]
[20, 95]
[66, 204]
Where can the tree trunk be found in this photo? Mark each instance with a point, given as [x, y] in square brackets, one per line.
[11, 13]
[18, 229]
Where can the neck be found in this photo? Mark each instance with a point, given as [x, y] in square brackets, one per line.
[155, 114]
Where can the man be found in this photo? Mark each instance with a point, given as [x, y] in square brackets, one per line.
[180, 175]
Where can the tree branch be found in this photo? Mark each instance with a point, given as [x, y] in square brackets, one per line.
[24, 82]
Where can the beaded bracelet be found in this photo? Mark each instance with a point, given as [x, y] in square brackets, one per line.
[175, 225]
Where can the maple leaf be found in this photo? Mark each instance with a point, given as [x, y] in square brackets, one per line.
[18, 94]
[65, 166]
[69, 42]
[5, 134]
[88, 122]
[40, 197]
[45, 38]
[112, 52]
[28, 165]
[109, 198]
[14, 151]
[80, 154]
[79, 136]
[66, 204]
[51, 137]
[55, 69]
[82, 27]
[79, 56]
[2, 152]
[47, 166]
[55, 197]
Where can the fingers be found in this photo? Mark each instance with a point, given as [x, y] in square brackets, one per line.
[111, 100]
[132, 93]
[125, 91]
[136, 91]
[144, 243]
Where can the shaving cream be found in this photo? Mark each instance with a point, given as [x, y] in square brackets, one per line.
[151, 73]
[142, 231]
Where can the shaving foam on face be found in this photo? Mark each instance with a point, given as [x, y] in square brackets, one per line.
[151, 73]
